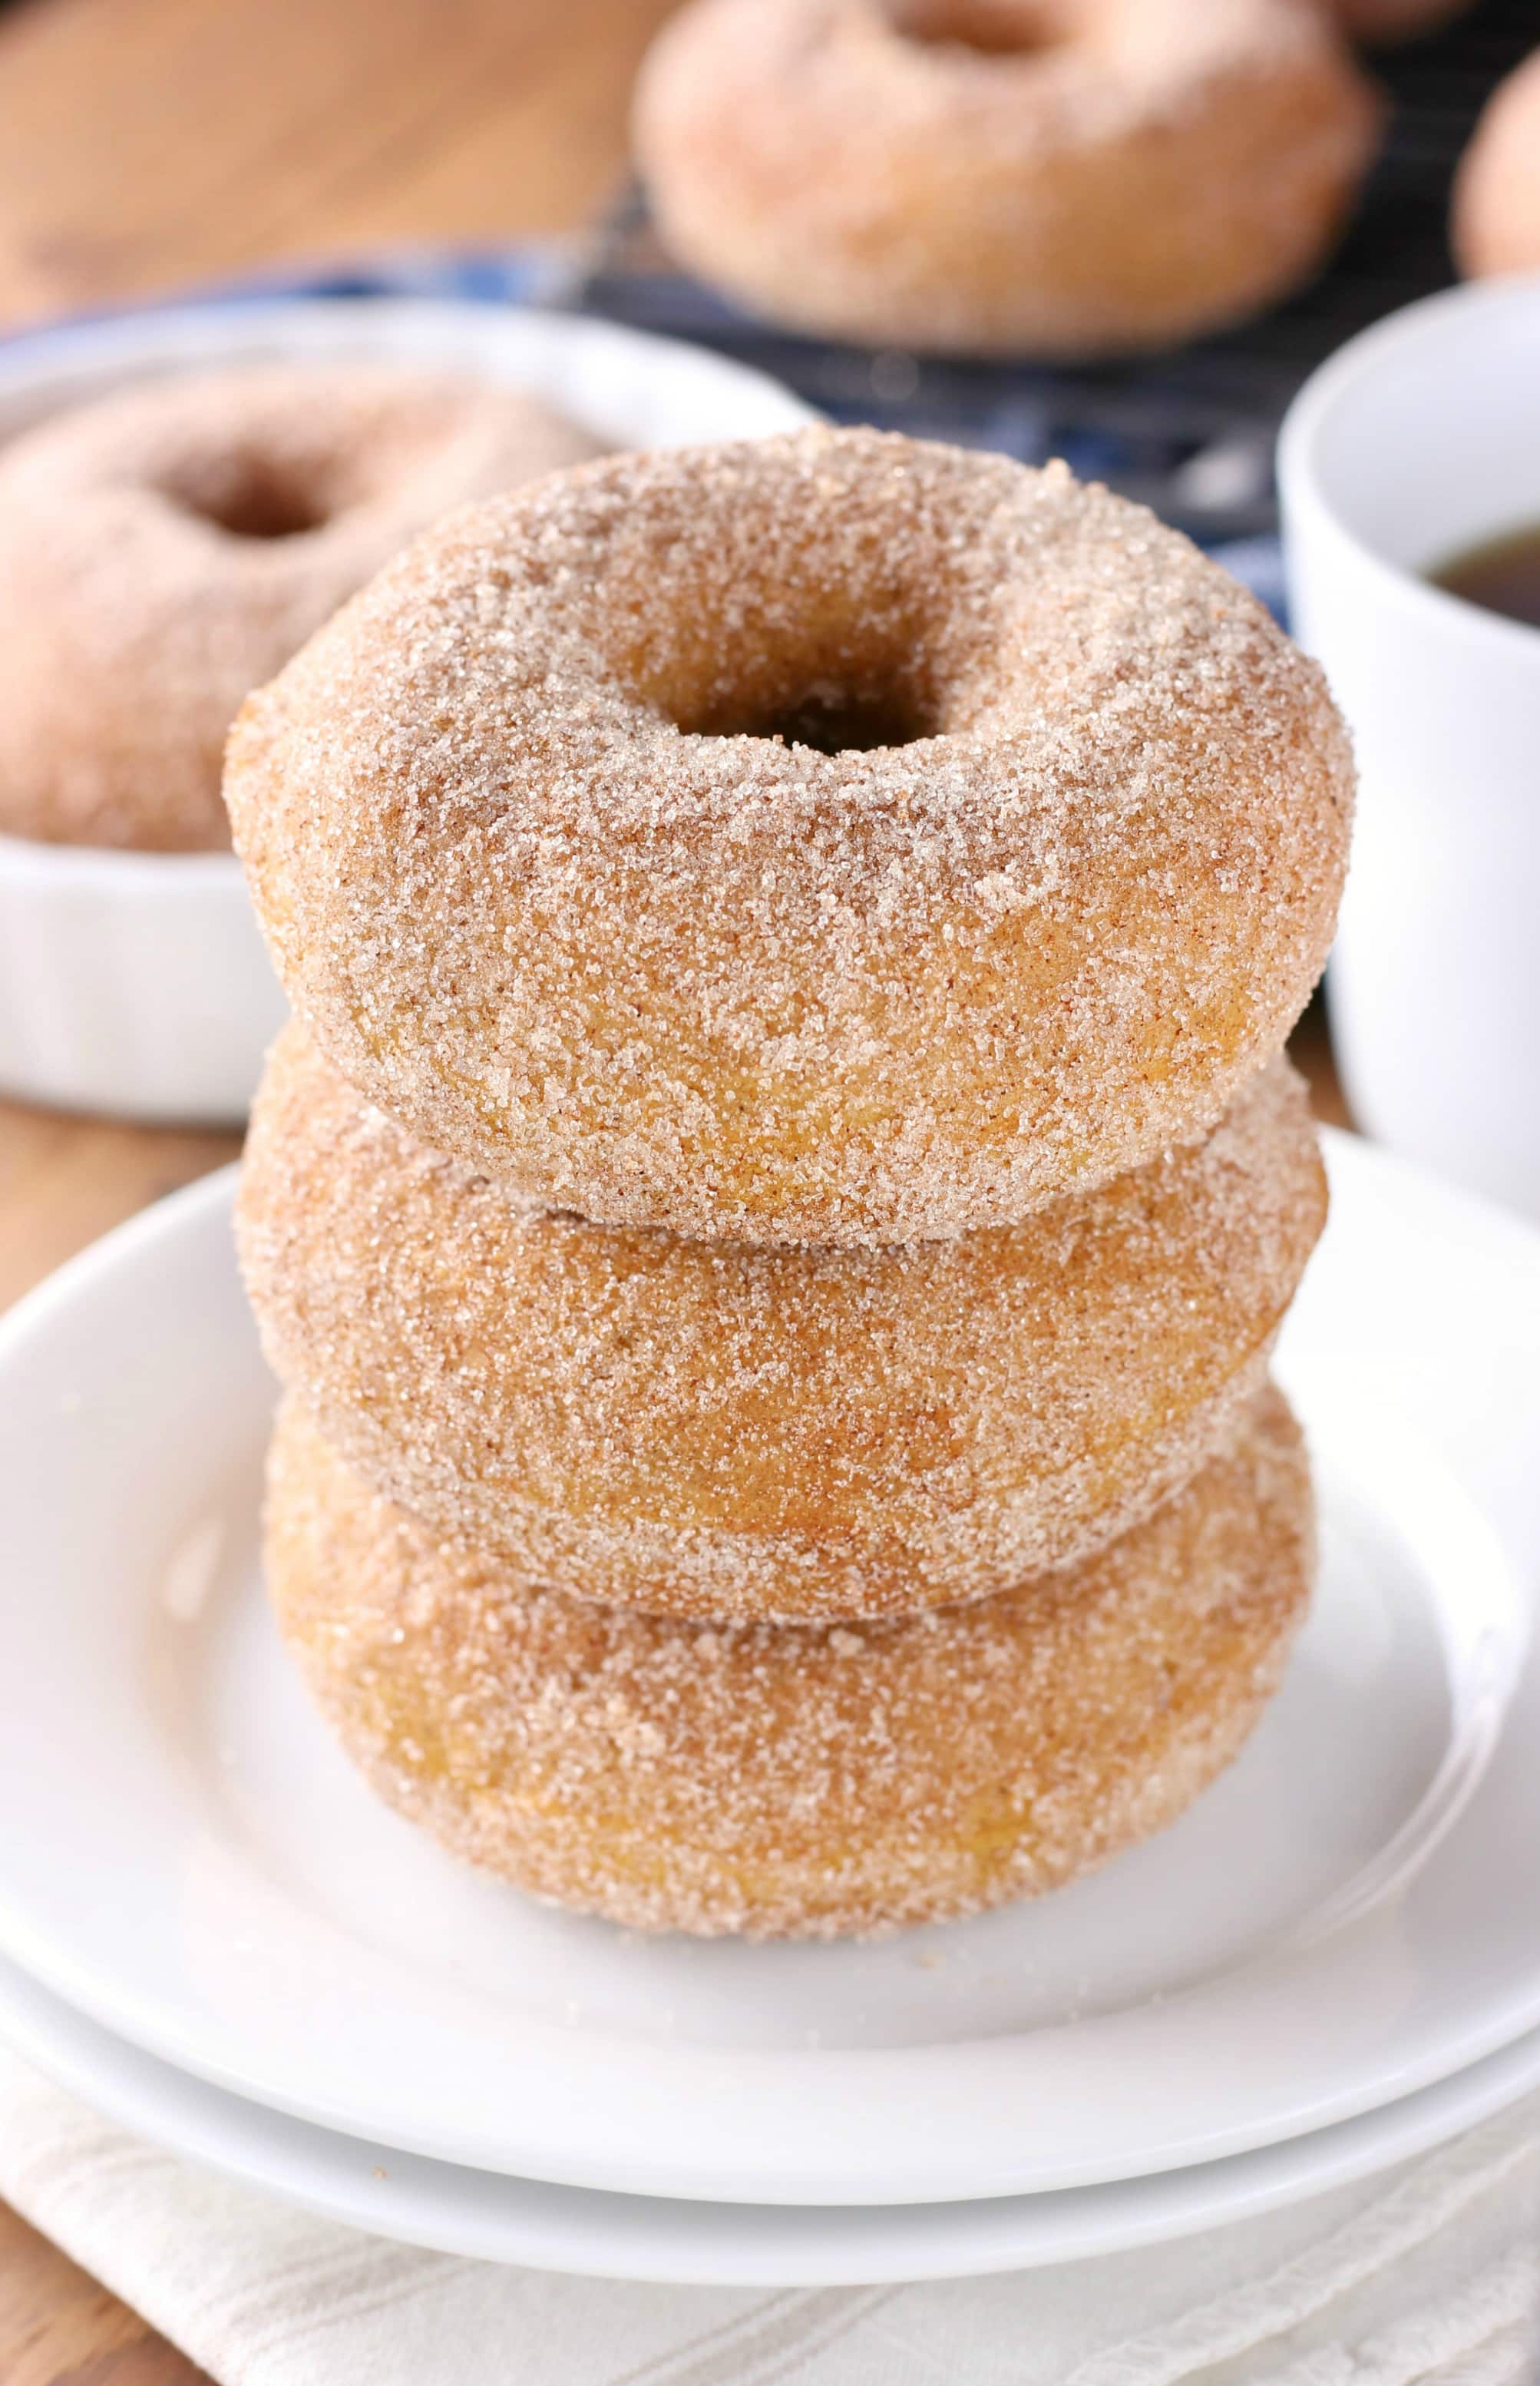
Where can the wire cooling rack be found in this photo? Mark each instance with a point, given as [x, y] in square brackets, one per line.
[1191, 433]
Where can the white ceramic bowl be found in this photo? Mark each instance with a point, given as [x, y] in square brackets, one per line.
[137, 983]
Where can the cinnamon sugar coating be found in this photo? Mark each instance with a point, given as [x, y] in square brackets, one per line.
[554, 869]
[719, 1430]
[167, 549]
[795, 1781]
[1053, 177]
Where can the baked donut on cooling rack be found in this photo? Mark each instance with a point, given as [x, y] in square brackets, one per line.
[1059, 178]
[1495, 226]
[712, 1429]
[812, 1781]
[831, 838]
[164, 550]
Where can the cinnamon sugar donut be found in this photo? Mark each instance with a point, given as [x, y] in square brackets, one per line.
[788, 1780]
[719, 1430]
[831, 838]
[1495, 226]
[1056, 177]
[166, 549]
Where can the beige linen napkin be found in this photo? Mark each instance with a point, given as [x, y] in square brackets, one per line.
[1427, 2275]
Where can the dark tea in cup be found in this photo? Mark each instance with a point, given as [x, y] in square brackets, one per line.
[1501, 574]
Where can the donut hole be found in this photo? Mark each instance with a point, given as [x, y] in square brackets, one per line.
[830, 716]
[252, 500]
[848, 705]
[997, 28]
[267, 512]
[838, 665]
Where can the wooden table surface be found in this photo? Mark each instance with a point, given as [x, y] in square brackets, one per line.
[148, 143]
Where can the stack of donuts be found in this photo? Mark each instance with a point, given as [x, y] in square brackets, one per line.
[774, 1209]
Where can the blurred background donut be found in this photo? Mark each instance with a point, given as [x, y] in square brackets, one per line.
[1029, 176]
[164, 550]
[1496, 225]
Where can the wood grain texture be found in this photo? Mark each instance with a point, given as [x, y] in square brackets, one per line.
[58, 2328]
[149, 143]
[145, 144]
[64, 1181]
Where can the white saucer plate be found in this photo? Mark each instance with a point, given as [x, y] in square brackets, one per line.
[1352, 1914]
[137, 983]
[490, 2218]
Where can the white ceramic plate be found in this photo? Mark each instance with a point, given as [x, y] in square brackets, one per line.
[489, 2217]
[1352, 1912]
[137, 983]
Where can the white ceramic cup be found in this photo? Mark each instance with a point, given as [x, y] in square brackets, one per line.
[1419, 439]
